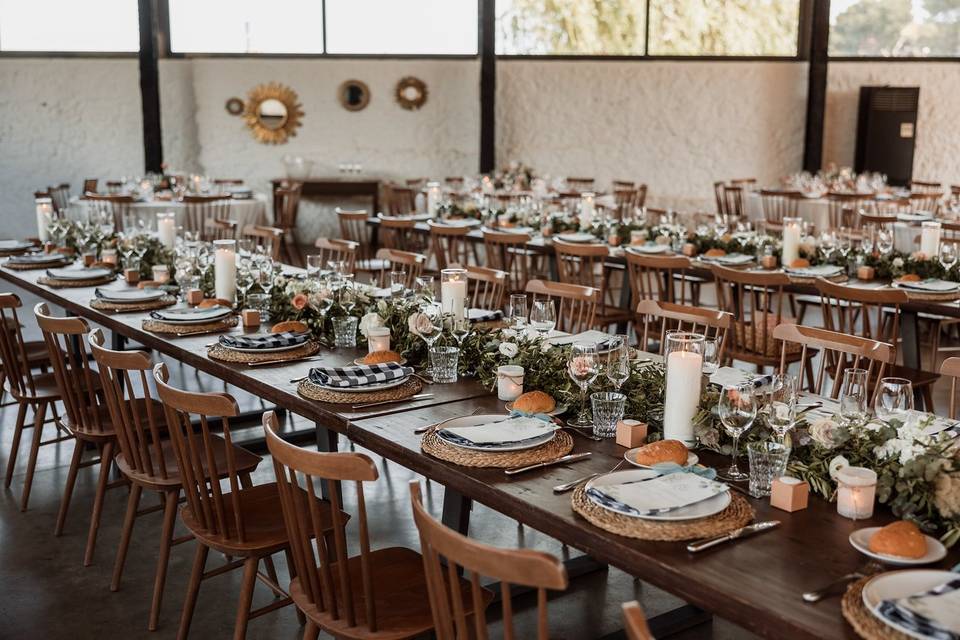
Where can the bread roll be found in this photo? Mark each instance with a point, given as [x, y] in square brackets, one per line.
[715, 253]
[662, 451]
[294, 326]
[535, 402]
[799, 263]
[902, 539]
[380, 357]
[910, 277]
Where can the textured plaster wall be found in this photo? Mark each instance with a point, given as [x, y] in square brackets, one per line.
[937, 153]
[63, 120]
[678, 126]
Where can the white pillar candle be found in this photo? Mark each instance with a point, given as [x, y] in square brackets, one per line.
[44, 216]
[453, 292]
[433, 197]
[682, 396]
[378, 339]
[856, 490]
[791, 241]
[930, 239]
[587, 209]
[225, 269]
[167, 229]
[509, 382]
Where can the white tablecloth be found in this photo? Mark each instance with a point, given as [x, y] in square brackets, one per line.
[251, 211]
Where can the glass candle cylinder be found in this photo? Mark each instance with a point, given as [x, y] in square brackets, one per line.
[378, 339]
[683, 354]
[587, 208]
[161, 273]
[509, 382]
[44, 217]
[856, 490]
[167, 229]
[453, 292]
[433, 197]
[792, 231]
[109, 256]
[930, 239]
[225, 269]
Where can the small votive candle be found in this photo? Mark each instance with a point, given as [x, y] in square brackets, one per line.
[866, 273]
[509, 382]
[768, 262]
[378, 339]
[689, 249]
[789, 494]
[638, 236]
[89, 257]
[856, 490]
[161, 273]
[631, 433]
[613, 240]
[132, 276]
[109, 256]
[250, 318]
[194, 296]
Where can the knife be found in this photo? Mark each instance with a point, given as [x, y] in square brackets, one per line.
[570, 457]
[419, 396]
[263, 363]
[742, 532]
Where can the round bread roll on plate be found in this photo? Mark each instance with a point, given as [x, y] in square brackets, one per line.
[661, 451]
[899, 543]
[536, 402]
[381, 357]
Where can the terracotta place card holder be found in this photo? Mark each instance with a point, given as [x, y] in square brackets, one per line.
[689, 249]
[768, 262]
[250, 318]
[194, 296]
[866, 273]
[132, 276]
[789, 494]
[631, 433]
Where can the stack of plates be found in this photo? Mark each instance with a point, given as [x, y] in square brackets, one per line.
[579, 236]
[903, 600]
[15, 245]
[818, 271]
[649, 248]
[38, 259]
[930, 285]
[645, 494]
[88, 273]
[192, 315]
[733, 259]
[496, 432]
[129, 296]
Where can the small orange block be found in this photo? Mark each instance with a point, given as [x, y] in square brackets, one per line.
[866, 273]
[132, 276]
[194, 296]
[250, 318]
[789, 494]
[631, 433]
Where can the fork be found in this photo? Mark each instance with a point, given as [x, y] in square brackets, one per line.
[567, 486]
[420, 430]
[832, 589]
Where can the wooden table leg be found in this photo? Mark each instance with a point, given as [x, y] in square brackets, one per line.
[456, 510]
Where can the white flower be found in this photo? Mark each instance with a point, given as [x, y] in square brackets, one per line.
[420, 324]
[836, 465]
[370, 321]
[507, 334]
[898, 262]
[824, 432]
[545, 347]
[509, 349]
[910, 442]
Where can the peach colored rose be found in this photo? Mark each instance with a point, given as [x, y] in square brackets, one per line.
[299, 301]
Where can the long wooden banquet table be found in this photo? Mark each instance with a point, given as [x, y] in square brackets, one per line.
[755, 583]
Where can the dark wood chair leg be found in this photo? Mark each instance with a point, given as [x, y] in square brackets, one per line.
[166, 539]
[38, 418]
[246, 597]
[196, 576]
[311, 632]
[15, 445]
[292, 570]
[106, 462]
[133, 503]
[68, 487]
[271, 571]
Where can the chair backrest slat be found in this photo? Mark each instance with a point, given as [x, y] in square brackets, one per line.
[339, 250]
[668, 316]
[507, 252]
[576, 305]
[408, 261]
[487, 287]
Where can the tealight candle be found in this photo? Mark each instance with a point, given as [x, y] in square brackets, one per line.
[509, 382]
[167, 229]
[856, 489]
[109, 256]
[684, 358]
[225, 269]
[791, 240]
[453, 292]
[378, 339]
[161, 273]
[44, 217]
[930, 239]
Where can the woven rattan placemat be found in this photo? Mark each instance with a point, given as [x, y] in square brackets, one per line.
[62, 284]
[863, 622]
[160, 303]
[157, 326]
[560, 445]
[221, 353]
[410, 387]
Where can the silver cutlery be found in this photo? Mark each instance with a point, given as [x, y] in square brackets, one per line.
[570, 457]
[367, 405]
[421, 378]
[567, 486]
[269, 362]
[588, 436]
[420, 430]
[742, 532]
[809, 407]
[834, 588]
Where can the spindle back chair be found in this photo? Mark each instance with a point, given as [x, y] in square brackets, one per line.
[654, 319]
[778, 205]
[201, 212]
[409, 262]
[449, 244]
[576, 305]
[487, 287]
[339, 250]
[508, 252]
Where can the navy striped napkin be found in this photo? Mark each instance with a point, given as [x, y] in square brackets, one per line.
[931, 614]
[358, 376]
[269, 341]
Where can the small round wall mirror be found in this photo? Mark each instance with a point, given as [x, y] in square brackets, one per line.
[273, 113]
[411, 93]
[354, 95]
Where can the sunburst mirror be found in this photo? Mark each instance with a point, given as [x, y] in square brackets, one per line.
[273, 112]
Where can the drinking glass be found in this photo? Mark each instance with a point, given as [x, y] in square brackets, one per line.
[345, 331]
[884, 241]
[768, 461]
[738, 410]
[517, 311]
[260, 302]
[398, 283]
[543, 317]
[347, 293]
[607, 411]
[711, 355]
[583, 368]
[245, 281]
[460, 327]
[443, 363]
[424, 286]
[431, 332]
[781, 410]
[314, 266]
[894, 399]
[948, 255]
[618, 362]
[853, 396]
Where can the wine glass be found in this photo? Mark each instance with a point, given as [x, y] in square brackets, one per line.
[432, 330]
[618, 362]
[460, 326]
[894, 399]
[711, 354]
[543, 317]
[347, 293]
[781, 409]
[245, 281]
[948, 256]
[853, 396]
[583, 368]
[738, 410]
[424, 286]
[517, 311]
[884, 241]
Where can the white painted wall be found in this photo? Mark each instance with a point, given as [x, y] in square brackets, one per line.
[677, 126]
[937, 153]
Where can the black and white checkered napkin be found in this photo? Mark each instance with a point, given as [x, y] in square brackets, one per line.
[484, 315]
[359, 376]
[931, 614]
[270, 341]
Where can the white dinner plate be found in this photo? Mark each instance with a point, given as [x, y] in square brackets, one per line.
[14, 245]
[630, 455]
[289, 347]
[472, 421]
[360, 363]
[702, 509]
[860, 539]
[80, 274]
[558, 410]
[580, 236]
[130, 296]
[38, 258]
[650, 248]
[376, 386]
[893, 585]
[194, 315]
[461, 222]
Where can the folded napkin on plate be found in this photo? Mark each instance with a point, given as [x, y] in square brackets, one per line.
[358, 376]
[194, 313]
[269, 341]
[930, 284]
[932, 614]
[657, 495]
[484, 315]
[818, 270]
[36, 258]
[602, 339]
[730, 258]
[506, 431]
[130, 295]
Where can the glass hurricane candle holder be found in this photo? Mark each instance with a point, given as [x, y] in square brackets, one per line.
[856, 491]
[453, 292]
[683, 355]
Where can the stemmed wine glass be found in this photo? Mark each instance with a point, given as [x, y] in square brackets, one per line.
[543, 317]
[884, 241]
[853, 396]
[583, 368]
[738, 410]
[618, 362]
[894, 399]
[517, 311]
[245, 280]
[460, 326]
[432, 331]
[948, 256]
[781, 409]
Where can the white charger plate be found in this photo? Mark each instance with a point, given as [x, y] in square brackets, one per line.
[580, 236]
[860, 539]
[629, 456]
[80, 274]
[14, 245]
[902, 584]
[376, 386]
[702, 509]
[649, 249]
[131, 296]
[473, 421]
[188, 316]
[38, 258]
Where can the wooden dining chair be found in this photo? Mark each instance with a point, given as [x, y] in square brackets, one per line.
[587, 265]
[339, 250]
[719, 197]
[377, 593]
[664, 278]
[60, 196]
[89, 186]
[286, 209]
[408, 261]
[454, 181]
[447, 552]
[576, 305]
[635, 622]
[487, 287]
[580, 184]
[416, 184]
[838, 352]
[778, 205]
[355, 227]
[873, 314]
[200, 213]
[449, 244]
[271, 238]
[842, 208]
[87, 418]
[951, 367]
[146, 457]
[242, 523]
[926, 202]
[113, 205]
[654, 318]
[223, 229]
[625, 201]
[508, 252]
[887, 207]
[926, 186]
[29, 389]
[398, 233]
[733, 200]
[400, 200]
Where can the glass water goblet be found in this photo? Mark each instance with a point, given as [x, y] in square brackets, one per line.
[517, 311]
[424, 286]
[853, 396]
[398, 283]
[711, 354]
[543, 317]
[781, 409]
[894, 399]
[314, 266]
[583, 368]
[618, 362]
[948, 256]
[738, 410]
